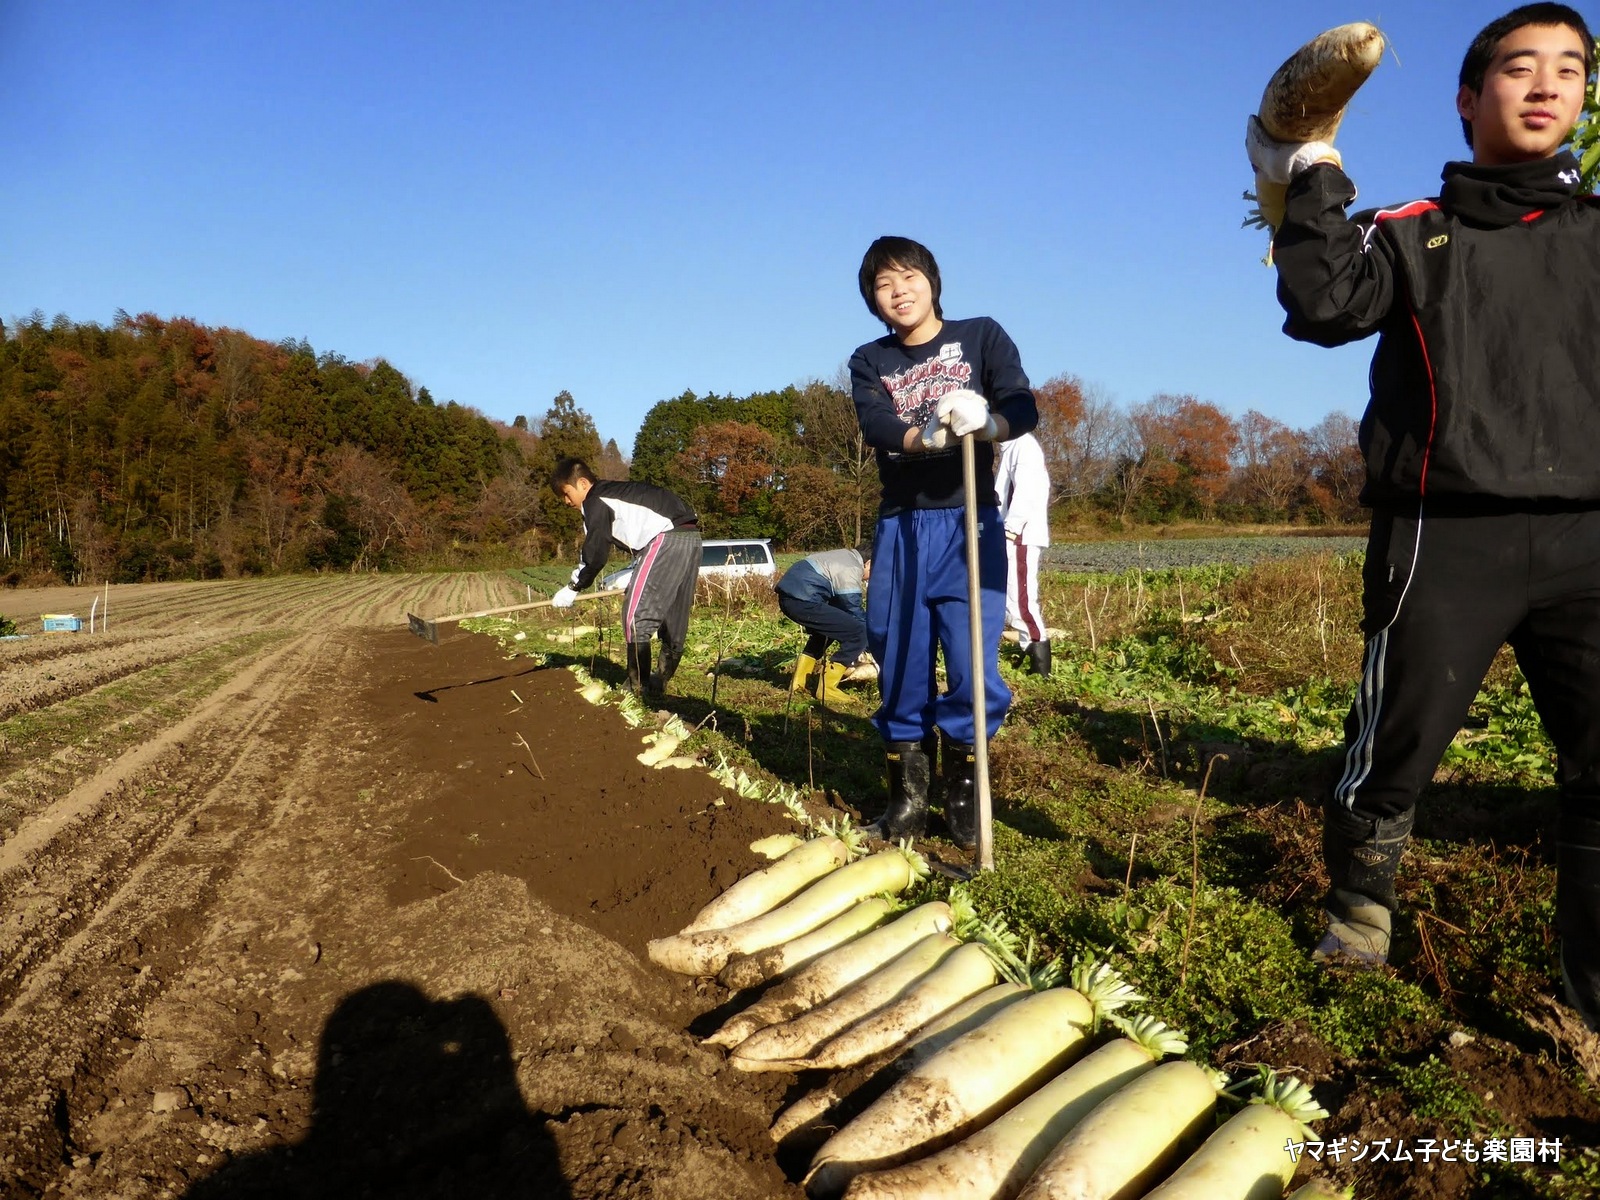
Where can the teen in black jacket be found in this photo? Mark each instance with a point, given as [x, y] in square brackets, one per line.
[1482, 445]
[663, 533]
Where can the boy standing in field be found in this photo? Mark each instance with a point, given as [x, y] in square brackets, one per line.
[1483, 476]
[1022, 481]
[664, 533]
[917, 391]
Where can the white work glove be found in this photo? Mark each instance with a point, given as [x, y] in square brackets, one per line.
[936, 437]
[577, 574]
[1279, 162]
[964, 412]
[563, 598]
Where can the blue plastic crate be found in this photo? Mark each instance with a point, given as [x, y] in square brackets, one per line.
[61, 624]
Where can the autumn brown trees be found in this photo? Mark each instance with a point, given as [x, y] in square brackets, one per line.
[160, 448]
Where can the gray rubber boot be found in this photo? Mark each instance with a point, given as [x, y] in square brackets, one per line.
[1363, 857]
[1578, 914]
[909, 776]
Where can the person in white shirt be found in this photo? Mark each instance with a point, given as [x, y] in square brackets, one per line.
[1022, 482]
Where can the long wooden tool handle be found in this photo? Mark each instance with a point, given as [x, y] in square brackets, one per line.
[495, 612]
[427, 628]
[980, 716]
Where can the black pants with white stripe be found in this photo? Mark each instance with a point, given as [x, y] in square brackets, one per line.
[1444, 588]
[1441, 595]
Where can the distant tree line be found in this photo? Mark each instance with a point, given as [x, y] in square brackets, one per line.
[1176, 457]
[793, 465]
[163, 449]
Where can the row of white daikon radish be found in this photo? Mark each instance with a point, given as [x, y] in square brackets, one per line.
[985, 1082]
[661, 745]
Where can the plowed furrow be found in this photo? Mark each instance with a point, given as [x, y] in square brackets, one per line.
[35, 685]
[46, 754]
[131, 879]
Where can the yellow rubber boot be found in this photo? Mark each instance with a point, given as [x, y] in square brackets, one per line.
[828, 689]
[804, 668]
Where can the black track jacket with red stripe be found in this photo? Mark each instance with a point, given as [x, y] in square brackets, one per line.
[1486, 300]
[626, 514]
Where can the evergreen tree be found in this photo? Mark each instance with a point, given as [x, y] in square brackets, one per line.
[565, 431]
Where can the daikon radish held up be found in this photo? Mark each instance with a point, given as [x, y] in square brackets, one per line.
[1307, 96]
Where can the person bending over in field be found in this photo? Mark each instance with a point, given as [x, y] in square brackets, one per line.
[663, 532]
[1482, 473]
[916, 392]
[822, 593]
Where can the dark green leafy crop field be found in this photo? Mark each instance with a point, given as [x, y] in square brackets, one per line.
[1165, 553]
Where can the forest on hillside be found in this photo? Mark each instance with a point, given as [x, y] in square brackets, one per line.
[163, 449]
[160, 448]
[793, 463]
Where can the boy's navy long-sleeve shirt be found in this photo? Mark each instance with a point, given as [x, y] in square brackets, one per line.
[897, 388]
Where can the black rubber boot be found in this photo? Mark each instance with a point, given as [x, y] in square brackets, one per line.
[907, 813]
[669, 667]
[638, 667]
[1363, 857]
[1578, 914]
[960, 777]
[1038, 658]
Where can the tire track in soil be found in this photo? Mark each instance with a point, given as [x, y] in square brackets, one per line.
[372, 601]
[276, 602]
[45, 754]
[127, 881]
[44, 648]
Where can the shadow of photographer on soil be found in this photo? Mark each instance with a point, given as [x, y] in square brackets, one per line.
[413, 1098]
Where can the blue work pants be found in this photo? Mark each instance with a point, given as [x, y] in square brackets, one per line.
[917, 607]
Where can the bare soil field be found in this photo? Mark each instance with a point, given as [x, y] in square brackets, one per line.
[295, 904]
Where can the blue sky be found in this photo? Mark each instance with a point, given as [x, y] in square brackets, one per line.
[630, 199]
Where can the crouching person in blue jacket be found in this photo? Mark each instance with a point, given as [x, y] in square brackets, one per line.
[823, 594]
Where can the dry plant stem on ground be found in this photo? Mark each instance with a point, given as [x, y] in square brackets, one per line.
[523, 742]
[1194, 869]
